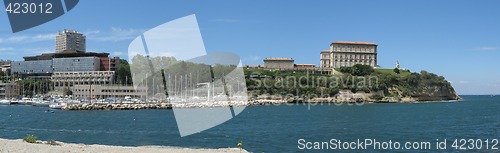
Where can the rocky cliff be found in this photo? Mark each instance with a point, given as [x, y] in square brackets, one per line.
[436, 93]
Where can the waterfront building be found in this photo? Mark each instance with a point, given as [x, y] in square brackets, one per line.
[32, 67]
[5, 68]
[2, 90]
[108, 91]
[70, 40]
[347, 53]
[73, 64]
[69, 65]
[9, 90]
[4, 62]
[5, 65]
[66, 80]
[278, 63]
[65, 61]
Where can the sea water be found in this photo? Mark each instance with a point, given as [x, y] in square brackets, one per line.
[273, 128]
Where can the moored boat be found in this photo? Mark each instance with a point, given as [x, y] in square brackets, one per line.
[4, 102]
[15, 102]
[25, 101]
[41, 104]
[56, 106]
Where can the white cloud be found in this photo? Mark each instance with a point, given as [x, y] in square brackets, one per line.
[37, 51]
[463, 82]
[116, 34]
[91, 33]
[6, 49]
[28, 38]
[116, 53]
[486, 48]
[255, 58]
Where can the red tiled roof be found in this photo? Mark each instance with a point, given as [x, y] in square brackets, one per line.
[354, 43]
[326, 51]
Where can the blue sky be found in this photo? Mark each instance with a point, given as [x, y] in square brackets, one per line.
[457, 39]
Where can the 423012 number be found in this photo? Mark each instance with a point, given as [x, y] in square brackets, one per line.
[32, 8]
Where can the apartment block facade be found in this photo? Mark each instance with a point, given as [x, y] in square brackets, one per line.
[70, 40]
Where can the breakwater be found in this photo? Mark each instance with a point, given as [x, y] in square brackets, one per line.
[117, 106]
[342, 97]
[157, 105]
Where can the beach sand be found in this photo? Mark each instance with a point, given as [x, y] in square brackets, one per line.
[18, 146]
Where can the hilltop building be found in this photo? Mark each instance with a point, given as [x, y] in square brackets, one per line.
[278, 63]
[305, 66]
[348, 53]
[70, 40]
[288, 65]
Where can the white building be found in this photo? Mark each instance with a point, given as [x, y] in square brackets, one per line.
[108, 91]
[70, 40]
[62, 80]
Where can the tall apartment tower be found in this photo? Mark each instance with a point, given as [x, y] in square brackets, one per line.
[348, 53]
[70, 40]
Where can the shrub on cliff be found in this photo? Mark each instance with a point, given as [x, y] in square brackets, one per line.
[377, 97]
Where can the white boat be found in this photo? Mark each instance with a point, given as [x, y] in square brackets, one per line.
[41, 103]
[57, 105]
[4, 102]
[15, 101]
[26, 101]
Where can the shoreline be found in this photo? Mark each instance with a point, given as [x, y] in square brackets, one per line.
[252, 102]
[18, 145]
[142, 106]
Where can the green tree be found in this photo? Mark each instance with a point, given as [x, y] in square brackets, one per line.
[361, 70]
[123, 74]
[358, 70]
[345, 69]
[396, 70]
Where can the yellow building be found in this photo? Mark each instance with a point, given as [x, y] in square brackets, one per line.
[348, 53]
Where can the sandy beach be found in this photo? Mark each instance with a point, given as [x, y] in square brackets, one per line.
[18, 146]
